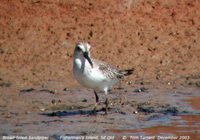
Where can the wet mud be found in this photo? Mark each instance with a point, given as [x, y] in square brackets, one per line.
[70, 113]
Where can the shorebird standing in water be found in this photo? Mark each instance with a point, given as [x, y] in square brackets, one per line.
[95, 74]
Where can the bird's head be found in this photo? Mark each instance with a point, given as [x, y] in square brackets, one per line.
[82, 51]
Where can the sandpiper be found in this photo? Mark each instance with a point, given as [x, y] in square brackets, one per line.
[95, 74]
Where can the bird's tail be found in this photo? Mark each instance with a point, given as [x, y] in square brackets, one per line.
[127, 72]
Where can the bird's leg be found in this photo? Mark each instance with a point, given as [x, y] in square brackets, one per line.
[97, 100]
[106, 103]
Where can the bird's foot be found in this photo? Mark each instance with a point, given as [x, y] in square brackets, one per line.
[106, 109]
[94, 111]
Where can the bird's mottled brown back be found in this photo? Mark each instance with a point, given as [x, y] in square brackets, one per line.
[111, 72]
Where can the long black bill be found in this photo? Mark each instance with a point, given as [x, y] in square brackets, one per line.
[86, 55]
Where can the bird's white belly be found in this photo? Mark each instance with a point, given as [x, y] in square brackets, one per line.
[92, 78]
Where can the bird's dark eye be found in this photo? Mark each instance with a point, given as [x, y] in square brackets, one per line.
[78, 49]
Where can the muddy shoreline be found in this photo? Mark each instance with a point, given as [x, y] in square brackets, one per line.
[69, 113]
